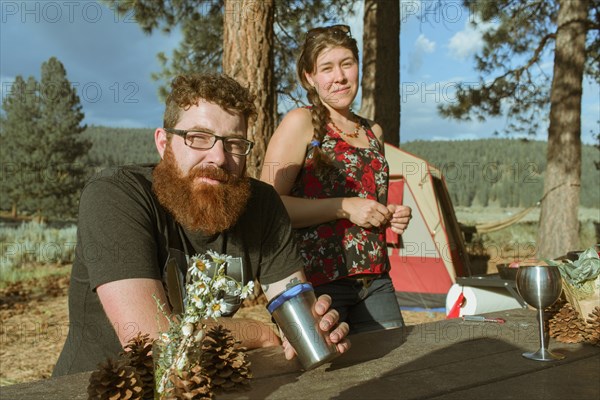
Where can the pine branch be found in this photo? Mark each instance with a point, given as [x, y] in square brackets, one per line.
[519, 71]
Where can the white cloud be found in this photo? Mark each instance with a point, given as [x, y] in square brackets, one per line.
[424, 44]
[421, 47]
[465, 43]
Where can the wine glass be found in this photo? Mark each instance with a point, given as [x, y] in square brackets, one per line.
[540, 286]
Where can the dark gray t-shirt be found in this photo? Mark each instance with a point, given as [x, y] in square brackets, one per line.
[124, 232]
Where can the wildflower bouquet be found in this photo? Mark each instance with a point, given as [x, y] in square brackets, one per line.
[180, 347]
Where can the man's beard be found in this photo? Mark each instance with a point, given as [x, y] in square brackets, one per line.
[200, 206]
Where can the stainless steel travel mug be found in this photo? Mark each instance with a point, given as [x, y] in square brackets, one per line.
[293, 310]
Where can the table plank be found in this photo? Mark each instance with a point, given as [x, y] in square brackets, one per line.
[440, 360]
[457, 368]
[575, 380]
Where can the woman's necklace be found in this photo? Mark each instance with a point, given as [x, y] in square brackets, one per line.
[350, 135]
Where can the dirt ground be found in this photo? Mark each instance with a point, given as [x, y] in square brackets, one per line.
[34, 323]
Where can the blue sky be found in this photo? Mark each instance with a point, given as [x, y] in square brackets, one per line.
[110, 60]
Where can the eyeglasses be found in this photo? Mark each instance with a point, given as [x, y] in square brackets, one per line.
[205, 141]
[342, 30]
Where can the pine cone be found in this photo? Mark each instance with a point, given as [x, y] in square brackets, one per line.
[192, 385]
[550, 312]
[592, 329]
[139, 356]
[114, 380]
[566, 326]
[226, 364]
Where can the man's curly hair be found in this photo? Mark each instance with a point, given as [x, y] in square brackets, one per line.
[220, 89]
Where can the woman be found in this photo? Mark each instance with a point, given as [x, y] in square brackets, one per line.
[329, 167]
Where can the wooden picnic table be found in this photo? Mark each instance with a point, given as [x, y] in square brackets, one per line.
[450, 359]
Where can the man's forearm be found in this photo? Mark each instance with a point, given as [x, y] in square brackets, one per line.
[131, 303]
[272, 290]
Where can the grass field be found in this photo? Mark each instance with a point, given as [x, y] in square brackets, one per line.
[479, 215]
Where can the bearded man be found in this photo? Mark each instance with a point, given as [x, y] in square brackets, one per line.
[135, 221]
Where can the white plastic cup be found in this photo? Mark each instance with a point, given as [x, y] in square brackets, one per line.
[293, 310]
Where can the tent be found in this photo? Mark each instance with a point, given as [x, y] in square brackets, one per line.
[430, 254]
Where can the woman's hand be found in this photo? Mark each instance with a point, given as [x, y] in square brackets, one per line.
[365, 212]
[401, 216]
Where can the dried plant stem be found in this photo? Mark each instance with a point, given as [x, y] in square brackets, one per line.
[181, 357]
[178, 362]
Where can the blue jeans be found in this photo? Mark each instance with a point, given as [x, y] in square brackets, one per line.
[364, 308]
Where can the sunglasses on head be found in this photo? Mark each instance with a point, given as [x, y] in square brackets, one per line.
[342, 30]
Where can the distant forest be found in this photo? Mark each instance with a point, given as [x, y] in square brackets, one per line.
[120, 146]
[499, 172]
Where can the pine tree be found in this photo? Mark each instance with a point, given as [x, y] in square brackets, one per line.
[19, 137]
[381, 67]
[519, 36]
[201, 23]
[206, 44]
[251, 62]
[61, 144]
[41, 144]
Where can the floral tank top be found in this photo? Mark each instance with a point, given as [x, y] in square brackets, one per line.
[339, 248]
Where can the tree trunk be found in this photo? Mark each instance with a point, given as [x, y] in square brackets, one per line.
[381, 66]
[248, 57]
[559, 224]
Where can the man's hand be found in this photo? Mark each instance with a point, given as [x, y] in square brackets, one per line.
[328, 323]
